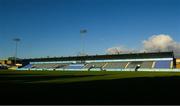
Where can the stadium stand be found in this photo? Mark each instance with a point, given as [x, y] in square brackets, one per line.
[28, 66]
[158, 60]
[75, 66]
[95, 64]
[115, 65]
[147, 64]
[134, 64]
[103, 57]
[46, 66]
[162, 64]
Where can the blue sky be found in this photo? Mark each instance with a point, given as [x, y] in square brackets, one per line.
[51, 27]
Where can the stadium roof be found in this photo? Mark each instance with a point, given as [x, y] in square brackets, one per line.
[103, 57]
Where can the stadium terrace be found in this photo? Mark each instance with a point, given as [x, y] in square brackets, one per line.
[157, 61]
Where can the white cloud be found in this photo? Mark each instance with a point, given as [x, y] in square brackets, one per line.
[118, 50]
[155, 43]
[161, 42]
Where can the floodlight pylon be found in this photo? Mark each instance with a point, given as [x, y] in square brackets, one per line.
[82, 33]
[16, 40]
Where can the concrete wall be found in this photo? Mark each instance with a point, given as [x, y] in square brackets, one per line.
[150, 70]
[178, 63]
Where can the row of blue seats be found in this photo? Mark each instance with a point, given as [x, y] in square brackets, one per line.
[162, 64]
[28, 66]
[158, 64]
[75, 66]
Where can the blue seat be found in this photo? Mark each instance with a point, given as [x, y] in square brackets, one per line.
[162, 64]
[75, 66]
[28, 66]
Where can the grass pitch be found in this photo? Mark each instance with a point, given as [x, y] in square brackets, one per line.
[10, 76]
[75, 87]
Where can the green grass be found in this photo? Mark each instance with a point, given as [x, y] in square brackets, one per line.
[72, 87]
[74, 76]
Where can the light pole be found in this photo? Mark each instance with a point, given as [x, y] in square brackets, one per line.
[16, 40]
[82, 32]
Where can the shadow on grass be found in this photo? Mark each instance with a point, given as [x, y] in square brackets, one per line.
[146, 90]
[21, 78]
